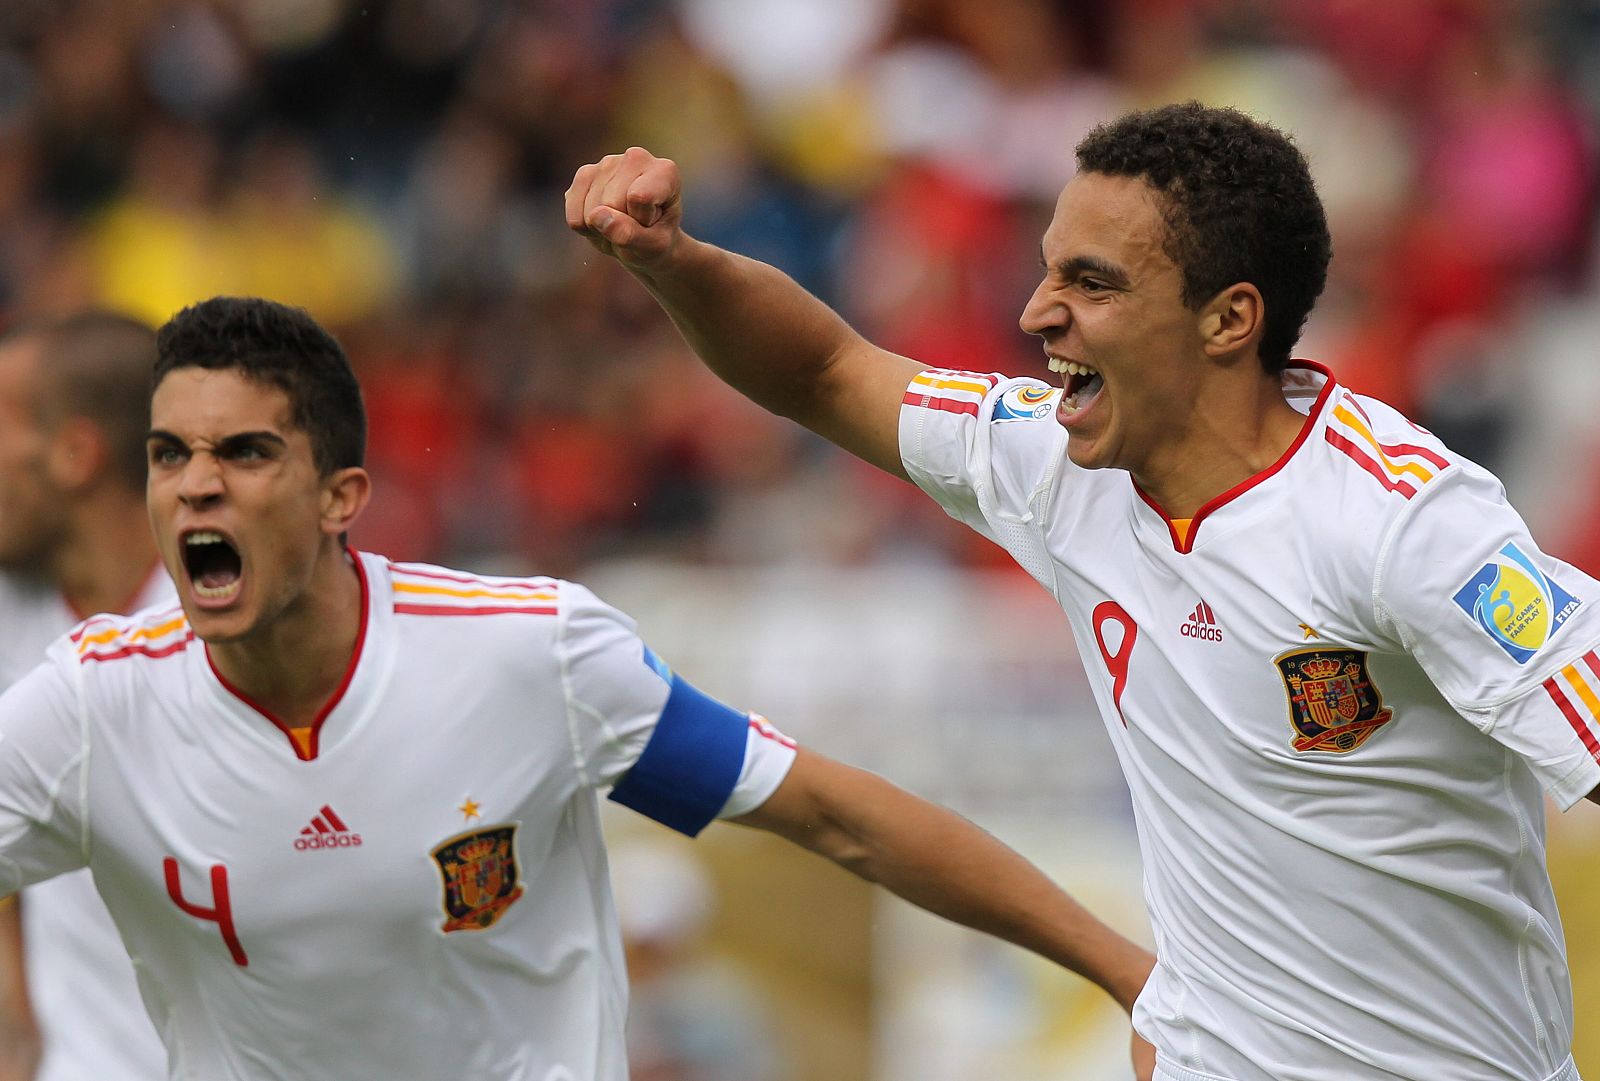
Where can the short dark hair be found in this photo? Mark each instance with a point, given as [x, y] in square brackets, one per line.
[96, 364]
[279, 346]
[1240, 206]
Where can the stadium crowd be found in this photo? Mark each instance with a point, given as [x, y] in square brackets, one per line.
[396, 167]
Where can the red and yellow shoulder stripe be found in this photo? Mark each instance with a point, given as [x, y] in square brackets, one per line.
[433, 591]
[950, 391]
[1399, 467]
[1576, 692]
[111, 638]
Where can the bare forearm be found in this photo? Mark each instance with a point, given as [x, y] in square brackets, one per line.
[939, 861]
[753, 325]
[19, 1033]
[999, 893]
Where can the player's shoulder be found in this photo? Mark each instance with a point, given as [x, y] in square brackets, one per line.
[1377, 452]
[988, 397]
[951, 390]
[515, 617]
[465, 598]
[151, 634]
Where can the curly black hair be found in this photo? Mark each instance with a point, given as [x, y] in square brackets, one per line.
[1240, 206]
[278, 346]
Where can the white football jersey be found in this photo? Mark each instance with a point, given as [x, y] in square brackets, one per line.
[417, 889]
[1336, 701]
[80, 982]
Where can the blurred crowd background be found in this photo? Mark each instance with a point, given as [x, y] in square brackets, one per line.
[397, 166]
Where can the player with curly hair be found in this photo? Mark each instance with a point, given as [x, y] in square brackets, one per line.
[1338, 672]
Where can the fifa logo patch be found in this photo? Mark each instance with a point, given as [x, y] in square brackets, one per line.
[1333, 704]
[1513, 602]
[1026, 403]
[480, 877]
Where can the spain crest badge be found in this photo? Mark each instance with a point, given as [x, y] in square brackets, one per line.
[481, 880]
[1333, 704]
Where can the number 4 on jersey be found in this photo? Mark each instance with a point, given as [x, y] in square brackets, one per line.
[220, 912]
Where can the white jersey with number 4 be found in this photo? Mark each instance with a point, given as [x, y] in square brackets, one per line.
[415, 888]
[80, 982]
[1336, 702]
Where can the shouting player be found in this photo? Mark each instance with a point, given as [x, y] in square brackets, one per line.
[342, 809]
[74, 539]
[1337, 670]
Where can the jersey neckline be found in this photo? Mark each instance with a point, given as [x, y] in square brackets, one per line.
[308, 750]
[1185, 544]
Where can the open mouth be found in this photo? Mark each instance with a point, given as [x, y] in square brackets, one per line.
[1080, 386]
[213, 564]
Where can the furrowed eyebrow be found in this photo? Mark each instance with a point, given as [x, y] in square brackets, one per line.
[226, 443]
[1080, 264]
[240, 439]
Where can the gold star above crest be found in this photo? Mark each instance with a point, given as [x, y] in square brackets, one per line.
[469, 810]
[1310, 631]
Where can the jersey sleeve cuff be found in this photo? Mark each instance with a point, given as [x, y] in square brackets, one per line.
[768, 757]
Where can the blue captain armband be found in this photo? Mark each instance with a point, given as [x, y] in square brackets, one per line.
[691, 764]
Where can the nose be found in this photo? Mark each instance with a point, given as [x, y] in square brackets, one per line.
[201, 485]
[1042, 315]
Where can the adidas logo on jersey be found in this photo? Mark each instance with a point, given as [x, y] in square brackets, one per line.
[1201, 624]
[327, 830]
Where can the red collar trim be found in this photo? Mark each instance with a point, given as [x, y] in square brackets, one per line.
[1185, 545]
[313, 743]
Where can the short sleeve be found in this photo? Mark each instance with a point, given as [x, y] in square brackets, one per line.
[1507, 633]
[989, 450]
[667, 749]
[43, 759]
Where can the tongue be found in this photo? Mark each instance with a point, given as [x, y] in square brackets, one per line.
[1090, 389]
[219, 577]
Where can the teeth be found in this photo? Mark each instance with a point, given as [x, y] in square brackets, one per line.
[218, 592]
[1070, 367]
[204, 536]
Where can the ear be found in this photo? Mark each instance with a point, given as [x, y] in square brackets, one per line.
[77, 453]
[1233, 321]
[344, 496]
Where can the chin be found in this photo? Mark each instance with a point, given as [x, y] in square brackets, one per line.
[217, 628]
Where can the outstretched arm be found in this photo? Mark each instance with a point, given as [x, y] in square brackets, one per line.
[19, 1033]
[755, 327]
[939, 861]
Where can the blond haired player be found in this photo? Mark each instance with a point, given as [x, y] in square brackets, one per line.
[344, 810]
[74, 539]
[1336, 668]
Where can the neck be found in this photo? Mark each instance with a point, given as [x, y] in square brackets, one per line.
[294, 665]
[1227, 437]
[107, 555]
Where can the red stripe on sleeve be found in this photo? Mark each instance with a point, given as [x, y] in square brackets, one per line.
[1364, 460]
[441, 610]
[1573, 718]
[1401, 448]
[141, 651]
[946, 405]
[503, 583]
[1593, 662]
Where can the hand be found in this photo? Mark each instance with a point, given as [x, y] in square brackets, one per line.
[1144, 1059]
[628, 205]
